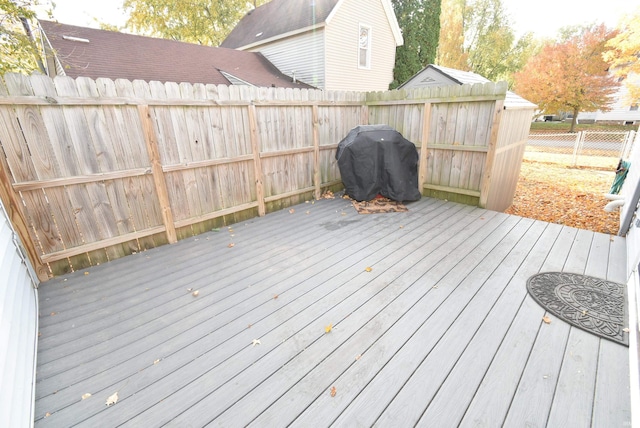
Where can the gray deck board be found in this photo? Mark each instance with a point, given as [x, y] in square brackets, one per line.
[440, 332]
[358, 344]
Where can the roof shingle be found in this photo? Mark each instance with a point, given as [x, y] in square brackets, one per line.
[276, 18]
[98, 53]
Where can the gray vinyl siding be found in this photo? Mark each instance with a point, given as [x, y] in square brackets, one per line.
[302, 54]
[428, 77]
[18, 325]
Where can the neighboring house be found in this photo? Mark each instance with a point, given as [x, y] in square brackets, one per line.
[343, 45]
[622, 112]
[79, 51]
[436, 75]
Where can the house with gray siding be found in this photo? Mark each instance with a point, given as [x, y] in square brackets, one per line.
[344, 45]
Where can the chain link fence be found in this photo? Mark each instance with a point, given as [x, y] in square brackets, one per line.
[583, 149]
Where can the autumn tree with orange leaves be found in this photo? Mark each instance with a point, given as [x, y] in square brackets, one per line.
[570, 75]
[624, 55]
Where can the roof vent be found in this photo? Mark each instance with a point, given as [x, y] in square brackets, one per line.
[75, 39]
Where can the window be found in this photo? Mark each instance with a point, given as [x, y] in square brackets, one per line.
[364, 47]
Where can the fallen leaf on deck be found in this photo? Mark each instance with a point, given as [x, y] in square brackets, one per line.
[195, 293]
[46, 415]
[215, 229]
[358, 357]
[113, 399]
[249, 326]
[255, 342]
[86, 273]
[328, 328]
[189, 289]
[333, 391]
[275, 296]
[231, 244]
[546, 320]
[626, 330]
[156, 361]
[291, 211]
[368, 269]
[307, 212]
[85, 396]
[53, 313]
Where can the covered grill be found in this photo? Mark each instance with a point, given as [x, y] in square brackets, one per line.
[377, 160]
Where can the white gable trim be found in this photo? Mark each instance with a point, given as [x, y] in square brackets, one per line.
[391, 17]
[334, 11]
[319, 25]
[393, 22]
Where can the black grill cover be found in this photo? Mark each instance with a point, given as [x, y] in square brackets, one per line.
[377, 159]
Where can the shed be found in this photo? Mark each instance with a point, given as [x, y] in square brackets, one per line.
[512, 133]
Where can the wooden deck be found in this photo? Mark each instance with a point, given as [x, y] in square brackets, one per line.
[440, 332]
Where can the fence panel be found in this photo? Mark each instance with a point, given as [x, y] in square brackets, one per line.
[584, 148]
[552, 143]
[107, 168]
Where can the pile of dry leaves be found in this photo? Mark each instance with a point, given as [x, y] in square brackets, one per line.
[565, 195]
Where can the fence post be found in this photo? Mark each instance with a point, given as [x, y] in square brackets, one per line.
[485, 184]
[426, 124]
[628, 143]
[157, 172]
[257, 164]
[576, 147]
[16, 217]
[316, 152]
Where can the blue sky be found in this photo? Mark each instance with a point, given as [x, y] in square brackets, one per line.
[543, 17]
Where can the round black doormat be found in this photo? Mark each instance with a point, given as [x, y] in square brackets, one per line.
[589, 303]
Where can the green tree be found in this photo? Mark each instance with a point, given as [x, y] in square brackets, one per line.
[624, 55]
[206, 22]
[489, 40]
[477, 36]
[571, 74]
[419, 21]
[451, 52]
[18, 47]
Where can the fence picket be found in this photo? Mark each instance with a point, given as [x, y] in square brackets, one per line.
[210, 152]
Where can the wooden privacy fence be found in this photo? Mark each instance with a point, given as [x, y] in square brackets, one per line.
[94, 170]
